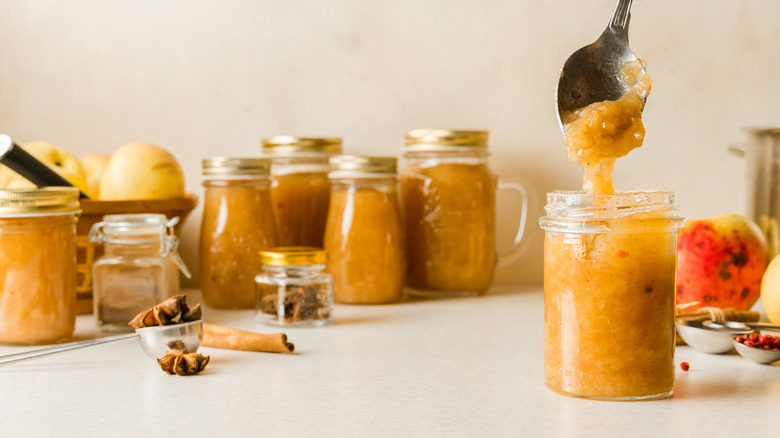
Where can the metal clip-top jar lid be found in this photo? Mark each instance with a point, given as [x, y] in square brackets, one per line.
[40, 201]
[357, 166]
[293, 256]
[235, 168]
[137, 229]
[442, 139]
[290, 145]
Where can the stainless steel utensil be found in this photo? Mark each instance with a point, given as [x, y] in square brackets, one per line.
[21, 162]
[702, 338]
[762, 162]
[591, 74]
[756, 355]
[155, 341]
[738, 327]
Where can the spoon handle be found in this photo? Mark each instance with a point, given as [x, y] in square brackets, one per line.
[763, 326]
[621, 15]
[45, 351]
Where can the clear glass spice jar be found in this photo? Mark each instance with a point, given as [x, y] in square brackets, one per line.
[449, 201]
[609, 294]
[38, 272]
[139, 267]
[238, 222]
[294, 289]
[300, 191]
[364, 234]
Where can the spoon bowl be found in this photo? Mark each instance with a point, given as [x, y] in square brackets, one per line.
[700, 337]
[156, 341]
[592, 73]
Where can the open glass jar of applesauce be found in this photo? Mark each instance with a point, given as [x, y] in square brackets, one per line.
[364, 235]
[38, 272]
[300, 191]
[609, 290]
[238, 223]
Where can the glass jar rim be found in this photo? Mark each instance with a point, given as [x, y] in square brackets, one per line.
[577, 211]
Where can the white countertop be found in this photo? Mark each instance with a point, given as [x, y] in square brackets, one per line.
[456, 367]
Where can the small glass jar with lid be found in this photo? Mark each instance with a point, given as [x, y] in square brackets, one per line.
[300, 191]
[364, 235]
[294, 289]
[609, 294]
[38, 272]
[238, 223]
[449, 201]
[139, 267]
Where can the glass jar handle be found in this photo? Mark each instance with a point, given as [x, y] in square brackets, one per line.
[518, 245]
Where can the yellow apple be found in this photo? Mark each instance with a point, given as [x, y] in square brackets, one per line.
[93, 165]
[770, 291]
[141, 171]
[60, 160]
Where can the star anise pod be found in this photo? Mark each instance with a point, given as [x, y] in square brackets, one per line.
[174, 310]
[183, 363]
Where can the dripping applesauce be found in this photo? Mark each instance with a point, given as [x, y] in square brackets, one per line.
[609, 294]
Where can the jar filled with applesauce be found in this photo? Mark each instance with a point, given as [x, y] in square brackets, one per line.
[300, 191]
[364, 234]
[139, 267]
[449, 200]
[238, 222]
[38, 272]
[609, 294]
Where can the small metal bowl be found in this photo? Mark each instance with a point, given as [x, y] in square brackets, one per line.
[756, 355]
[156, 341]
[706, 340]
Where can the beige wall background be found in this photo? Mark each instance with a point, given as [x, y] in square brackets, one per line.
[206, 77]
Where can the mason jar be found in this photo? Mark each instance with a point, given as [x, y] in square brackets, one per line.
[609, 294]
[364, 234]
[449, 202]
[300, 191]
[139, 267]
[238, 223]
[38, 271]
[294, 289]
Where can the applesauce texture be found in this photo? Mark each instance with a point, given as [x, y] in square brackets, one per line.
[300, 203]
[450, 226]
[609, 310]
[37, 279]
[364, 238]
[238, 222]
[595, 136]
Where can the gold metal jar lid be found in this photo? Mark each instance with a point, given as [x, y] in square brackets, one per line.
[439, 139]
[235, 168]
[357, 166]
[45, 200]
[293, 256]
[290, 145]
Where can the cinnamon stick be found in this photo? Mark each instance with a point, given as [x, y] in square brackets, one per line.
[234, 339]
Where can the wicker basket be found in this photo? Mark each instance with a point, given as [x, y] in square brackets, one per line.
[92, 212]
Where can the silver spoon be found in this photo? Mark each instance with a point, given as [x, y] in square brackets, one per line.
[592, 73]
[155, 341]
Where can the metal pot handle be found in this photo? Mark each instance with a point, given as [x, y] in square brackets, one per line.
[738, 149]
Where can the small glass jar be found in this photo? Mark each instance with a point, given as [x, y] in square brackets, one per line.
[364, 234]
[238, 222]
[300, 191]
[139, 267]
[449, 199]
[294, 289]
[609, 291]
[38, 272]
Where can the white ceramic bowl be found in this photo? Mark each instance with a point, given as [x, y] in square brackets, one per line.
[705, 340]
[756, 355]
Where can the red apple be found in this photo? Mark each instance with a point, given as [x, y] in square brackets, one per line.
[720, 263]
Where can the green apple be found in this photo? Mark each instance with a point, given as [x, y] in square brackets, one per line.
[93, 165]
[141, 171]
[59, 159]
